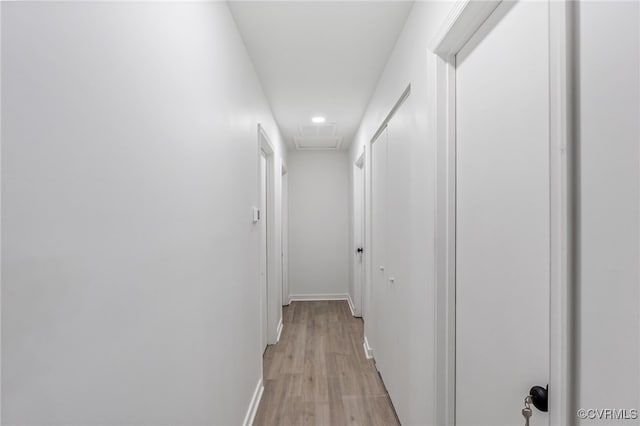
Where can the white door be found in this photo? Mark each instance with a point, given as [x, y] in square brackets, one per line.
[502, 216]
[358, 237]
[379, 289]
[363, 241]
[399, 287]
[387, 311]
[391, 272]
[263, 250]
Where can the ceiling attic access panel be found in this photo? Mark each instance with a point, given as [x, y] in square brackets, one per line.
[317, 136]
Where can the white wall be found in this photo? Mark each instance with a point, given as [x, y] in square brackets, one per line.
[412, 63]
[318, 223]
[609, 197]
[129, 168]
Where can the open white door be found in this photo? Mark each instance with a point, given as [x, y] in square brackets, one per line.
[502, 216]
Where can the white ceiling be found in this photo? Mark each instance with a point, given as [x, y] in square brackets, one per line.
[320, 57]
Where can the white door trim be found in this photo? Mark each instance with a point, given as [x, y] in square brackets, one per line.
[284, 231]
[273, 293]
[563, 158]
[465, 19]
[263, 251]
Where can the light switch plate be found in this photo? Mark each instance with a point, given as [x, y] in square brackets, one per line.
[256, 215]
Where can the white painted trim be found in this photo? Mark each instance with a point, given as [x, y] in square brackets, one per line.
[360, 161]
[280, 327]
[562, 159]
[368, 351]
[465, 19]
[265, 142]
[389, 116]
[284, 235]
[254, 404]
[273, 255]
[445, 241]
[314, 297]
[351, 307]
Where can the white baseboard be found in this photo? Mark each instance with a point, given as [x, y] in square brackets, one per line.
[253, 406]
[368, 351]
[279, 330]
[351, 307]
[313, 297]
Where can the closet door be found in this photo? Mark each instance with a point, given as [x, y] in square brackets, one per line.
[378, 339]
[502, 216]
[397, 312]
[391, 223]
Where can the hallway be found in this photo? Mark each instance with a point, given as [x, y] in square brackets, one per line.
[322, 212]
[317, 373]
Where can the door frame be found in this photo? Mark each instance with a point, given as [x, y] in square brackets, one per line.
[284, 235]
[263, 169]
[464, 20]
[359, 229]
[265, 145]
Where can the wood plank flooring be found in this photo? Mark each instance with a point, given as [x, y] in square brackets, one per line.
[317, 373]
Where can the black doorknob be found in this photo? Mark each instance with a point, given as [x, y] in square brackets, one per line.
[540, 397]
[359, 250]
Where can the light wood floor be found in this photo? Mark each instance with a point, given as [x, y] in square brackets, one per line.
[317, 373]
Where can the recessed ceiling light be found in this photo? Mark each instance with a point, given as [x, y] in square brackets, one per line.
[318, 119]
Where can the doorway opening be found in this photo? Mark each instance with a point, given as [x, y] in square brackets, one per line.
[268, 258]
